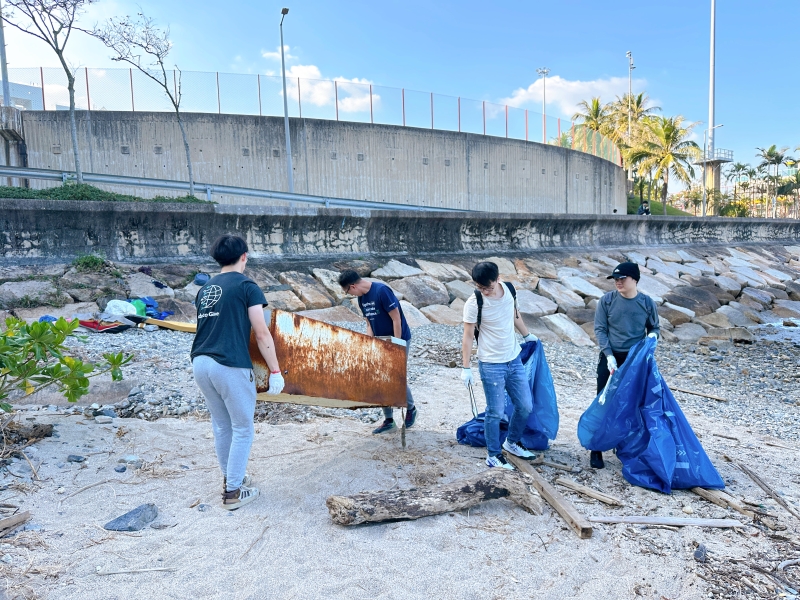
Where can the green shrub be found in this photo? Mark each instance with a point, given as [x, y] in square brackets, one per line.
[89, 262]
[656, 208]
[74, 191]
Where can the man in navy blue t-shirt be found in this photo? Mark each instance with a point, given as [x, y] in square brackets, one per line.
[384, 317]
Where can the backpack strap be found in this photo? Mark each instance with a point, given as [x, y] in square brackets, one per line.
[479, 300]
[514, 296]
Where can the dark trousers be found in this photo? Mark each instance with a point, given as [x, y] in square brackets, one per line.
[603, 373]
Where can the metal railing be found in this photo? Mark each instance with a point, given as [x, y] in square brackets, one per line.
[211, 189]
[253, 94]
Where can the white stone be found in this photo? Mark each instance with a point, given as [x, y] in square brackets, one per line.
[669, 256]
[443, 271]
[703, 267]
[12, 292]
[335, 314]
[413, 316]
[689, 333]
[686, 257]
[460, 289]
[534, 305]
[690, 313]
[560, 295]
[668, 268]
[141, 286]
[565, 272]
[669, 281]
[582, 287]
[394, 269]
[737, 262]
[736, 316]
[458, 305]
[188, 293]
[728, 284]
[68, 311]
[567, 329]
[506, 266]
[638, 258]
[330, 281]
[653, 288]
[752, 278]
[441, 313]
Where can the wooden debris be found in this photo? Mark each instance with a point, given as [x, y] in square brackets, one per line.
[541, 461]
[563, 507]
[10, 523]
[255, 541]
[375, 507]
[126, 571]
[722, 499]
[767, 488]
[673, 521]
[701, 394]
[587, 491]
[174, 325]
[788, 563]
[727, 437]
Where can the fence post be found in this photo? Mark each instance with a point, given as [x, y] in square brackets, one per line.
[41, 74]
[572, 143]
[431, 110]
[133, 106]
[88, 98]
[506, 120]
[459, 114]
[219, 104]
[526, 124]
[299, 106]
[336, 97]
[175, 83]
[258, 79]
[559, 131]
[371, 117]
[403, 100]
[484, 117]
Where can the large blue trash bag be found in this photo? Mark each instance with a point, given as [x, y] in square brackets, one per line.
[542, 423]
[642, 420]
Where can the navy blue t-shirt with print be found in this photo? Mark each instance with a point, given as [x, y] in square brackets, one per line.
[223, 325]
[376, 304]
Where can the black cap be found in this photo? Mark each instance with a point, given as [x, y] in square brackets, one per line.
[626, 269]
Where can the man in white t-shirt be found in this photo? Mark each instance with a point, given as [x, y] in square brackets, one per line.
[498, 361]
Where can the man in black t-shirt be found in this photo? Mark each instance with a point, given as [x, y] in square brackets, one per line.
[384, 317]
[228, 306]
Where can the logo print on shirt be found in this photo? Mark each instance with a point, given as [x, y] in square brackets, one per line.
[211, 296]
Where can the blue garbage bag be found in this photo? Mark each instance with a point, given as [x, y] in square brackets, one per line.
[639, 417]
[542, 423]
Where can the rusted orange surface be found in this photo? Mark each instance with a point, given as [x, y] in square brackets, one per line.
[331, 363]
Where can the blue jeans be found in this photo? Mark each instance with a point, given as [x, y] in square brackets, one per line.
[497, 379]
[388, 411]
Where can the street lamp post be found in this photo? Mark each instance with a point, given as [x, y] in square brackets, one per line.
[543, 71]
[705, 159]
[629, 54]
[289, 172]
[3, 63]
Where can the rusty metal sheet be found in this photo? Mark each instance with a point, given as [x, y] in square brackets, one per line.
[327, 365]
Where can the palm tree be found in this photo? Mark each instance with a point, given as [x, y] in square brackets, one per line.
[637, 105]
[736, 172]
[662, 145]
[777, 157]
[593, 115]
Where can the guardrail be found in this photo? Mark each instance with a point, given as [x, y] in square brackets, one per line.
[210, 189]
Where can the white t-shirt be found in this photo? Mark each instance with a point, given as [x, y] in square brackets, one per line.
[497, 342]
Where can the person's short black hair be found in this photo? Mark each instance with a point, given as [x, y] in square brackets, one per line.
[348, 277]
[645, 202]
[485, 273]
[227, 249]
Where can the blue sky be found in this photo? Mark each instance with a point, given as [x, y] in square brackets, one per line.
[491, 52]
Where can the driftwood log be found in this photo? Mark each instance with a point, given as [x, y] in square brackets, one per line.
[402, 505]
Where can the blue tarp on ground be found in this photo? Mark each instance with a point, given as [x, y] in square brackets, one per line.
[641, 419]
[542, 423]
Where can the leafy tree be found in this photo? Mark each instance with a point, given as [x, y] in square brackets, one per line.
[52, 21]
[773, 156]
[664, 147]
[735, 173]
[34, 357]
[637, 105]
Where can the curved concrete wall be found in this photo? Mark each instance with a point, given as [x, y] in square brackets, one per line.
[382, 163]
[36, 231]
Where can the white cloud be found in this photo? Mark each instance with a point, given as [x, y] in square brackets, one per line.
[353, 93]
[277, 54]
[566, 94]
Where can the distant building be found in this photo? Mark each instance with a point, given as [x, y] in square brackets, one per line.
[26, 97]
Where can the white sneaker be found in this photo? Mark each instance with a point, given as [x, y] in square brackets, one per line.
[518, 449]
[247, 481]
[499, 461]
[238, 498]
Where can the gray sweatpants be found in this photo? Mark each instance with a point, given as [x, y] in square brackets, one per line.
[231, 399]
[388, 411]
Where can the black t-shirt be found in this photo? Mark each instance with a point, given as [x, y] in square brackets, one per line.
[223, 325]
[376, 305]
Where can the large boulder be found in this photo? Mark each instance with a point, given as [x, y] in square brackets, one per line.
[636, 257]
[440, 313]
[779, 275]
[534, 305]
[669, 256]
[752, 278]
[689, 333]
[715, 319]
[717, 264]
[605, 284]
[284, 300]
[668, 280]
[30, 293]
[89, 286]
[793, 290]
[541, 268]
[184, 312]
[460, 289]
[362, 267]
[506, 266]
[589, 329]
[722, 296]
[335, 314]
[777, 294]
[665, 324]
[312, 293]
[394, 269]
[525, 275]
[703, 267]
[458, 305]
[413, 316]
[727, 284]
[652, 287]
[762, 297]
[582, 287]
[736, 317]
[701, 301]
[68, 311]
[787, 308]
[443, 271]
[567, 330]
[421, 290]
[330, 281]
[673, 315]
[262, 277]
[701, 281]
[581, 315]
[188, 293]
[141, 285]
[556, 292]
[668, 268]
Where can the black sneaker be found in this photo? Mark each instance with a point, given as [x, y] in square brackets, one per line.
[411, 417]
[387, 425]
[596, 460]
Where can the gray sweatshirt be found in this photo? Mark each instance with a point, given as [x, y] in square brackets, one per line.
[620, 323]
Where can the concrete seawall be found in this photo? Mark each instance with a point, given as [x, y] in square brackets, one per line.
[36, 231]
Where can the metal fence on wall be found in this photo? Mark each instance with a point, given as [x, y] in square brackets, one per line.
[251, 94]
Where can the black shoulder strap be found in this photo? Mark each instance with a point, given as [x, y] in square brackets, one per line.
[479, 300]
[513, 291]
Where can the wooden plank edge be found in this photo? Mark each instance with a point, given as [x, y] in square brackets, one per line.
[722, 499]
[174, 325]
[562, 506]
[673, 521]
[325, 402]
[587, 491]
[10, 522]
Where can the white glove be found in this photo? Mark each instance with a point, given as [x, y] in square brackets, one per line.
[530, 338]
[653, 335]
[276, 383]
[612, 363]
[466, 376]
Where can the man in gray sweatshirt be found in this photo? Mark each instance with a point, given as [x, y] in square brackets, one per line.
[622, 319]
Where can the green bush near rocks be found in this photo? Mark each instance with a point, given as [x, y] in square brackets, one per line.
[74, 191]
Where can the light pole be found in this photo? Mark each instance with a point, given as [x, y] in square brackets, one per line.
[543, 71]
[284, 12]
[629, 54]
[705, 159]
[3, 63]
